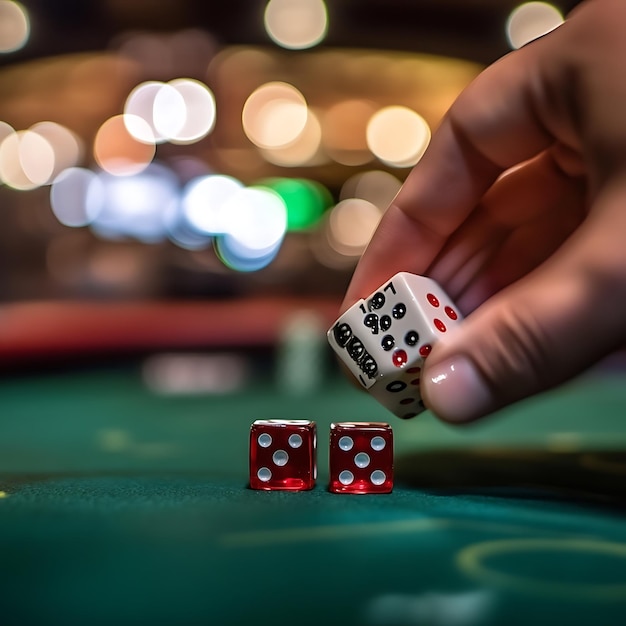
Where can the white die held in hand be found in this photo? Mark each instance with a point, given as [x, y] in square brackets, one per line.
[384, 339]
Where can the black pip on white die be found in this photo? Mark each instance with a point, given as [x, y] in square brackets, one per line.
[385, 338]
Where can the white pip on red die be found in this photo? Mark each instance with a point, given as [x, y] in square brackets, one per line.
[384, 339]
[283, 455]
[361, 457]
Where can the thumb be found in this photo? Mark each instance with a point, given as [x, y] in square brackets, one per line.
[540, 331]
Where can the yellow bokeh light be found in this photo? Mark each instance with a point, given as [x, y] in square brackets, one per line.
[14, 26]
[67, 147]
[531, 20]
[351, 225]
[375, 186]
[305, 150]
[26, 160]
[344, 131]
[398, 136]
[117, 152]
[5, 130]
[274, 115]
[296, 24]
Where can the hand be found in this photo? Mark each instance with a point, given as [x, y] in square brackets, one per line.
[518, 210]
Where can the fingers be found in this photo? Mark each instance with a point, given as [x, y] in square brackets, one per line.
[525, 249]
[543, 329]
[519, 222]
[495, 124]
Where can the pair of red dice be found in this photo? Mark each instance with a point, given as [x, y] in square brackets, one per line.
[283, 456]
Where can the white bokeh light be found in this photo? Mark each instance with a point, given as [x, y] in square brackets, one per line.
[169, 113]
[256, 219]
[203, 202]
[200, 111]
[14, 26]
[138, 112]
[76, 196]
[296, 24]
[136, 206]
[531, 20]
[182, 111]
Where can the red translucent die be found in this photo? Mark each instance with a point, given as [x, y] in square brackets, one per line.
[283, 455]
[361, 457]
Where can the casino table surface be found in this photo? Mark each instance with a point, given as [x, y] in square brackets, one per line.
[124, 505]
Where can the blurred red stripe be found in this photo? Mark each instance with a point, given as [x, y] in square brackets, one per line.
[64, 328]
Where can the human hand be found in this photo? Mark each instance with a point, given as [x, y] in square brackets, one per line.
[518, 210]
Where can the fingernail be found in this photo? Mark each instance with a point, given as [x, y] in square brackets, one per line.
[456, 392]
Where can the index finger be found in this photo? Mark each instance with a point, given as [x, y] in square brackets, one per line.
[500, 120]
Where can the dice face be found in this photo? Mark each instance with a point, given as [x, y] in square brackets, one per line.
[385, 338]
[361, 457]
[283, 455]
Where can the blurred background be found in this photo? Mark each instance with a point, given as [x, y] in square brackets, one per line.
[214, 153]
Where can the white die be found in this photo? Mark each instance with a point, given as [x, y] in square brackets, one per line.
[385, 338]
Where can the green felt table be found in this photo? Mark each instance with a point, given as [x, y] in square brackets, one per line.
[124, 506]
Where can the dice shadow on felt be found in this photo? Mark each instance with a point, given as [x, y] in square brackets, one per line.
[517, 473]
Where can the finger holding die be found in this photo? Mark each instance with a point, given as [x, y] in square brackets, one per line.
[385, 338]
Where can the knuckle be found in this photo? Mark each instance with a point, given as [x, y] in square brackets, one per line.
[516, 359]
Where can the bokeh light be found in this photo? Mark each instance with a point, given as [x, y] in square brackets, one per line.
[117, 151]
[398, 136]
[181, 111]
[76, 196]
[306, 200]
[351, 224]
[274, 115]
[302, 151]
[237, 258]
[257, 219]
[168, 111]
[375, 186]
[26, 160]
[296, 24]
[531, 20]
[5, 130]
[67, 147]
[135, 206]
[343, 131]
[257, 223]
[14, 26]
[138, 112]
[180, 231]
[203, 202]
[199, 113]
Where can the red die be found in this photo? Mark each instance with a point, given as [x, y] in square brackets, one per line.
[361, 457]
[282, 455]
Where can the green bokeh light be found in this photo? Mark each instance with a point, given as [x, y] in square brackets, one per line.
[306, 200]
